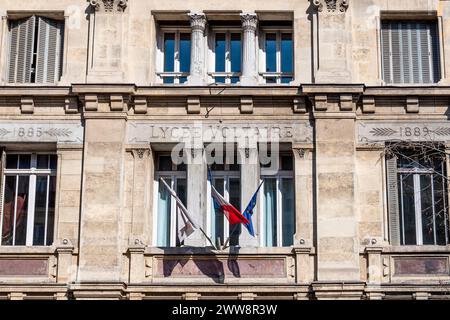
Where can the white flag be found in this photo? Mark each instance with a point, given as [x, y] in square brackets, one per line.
[185, 225]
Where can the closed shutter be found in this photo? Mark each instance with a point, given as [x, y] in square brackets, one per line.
[393, 203]
[49, 50]
[21, 50]
[410, 52]
[2, 168]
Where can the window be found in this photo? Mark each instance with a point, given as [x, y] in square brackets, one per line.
[227, 181]
[278, 53]
[227, 56]
[278, 204]
[418, 198]
[36, 50]
[176, 49]
[28, 204]
[166, 215]
[410, 52]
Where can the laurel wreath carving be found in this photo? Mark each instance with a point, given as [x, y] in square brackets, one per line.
[4, 132]
[58, 132]
[383, 132]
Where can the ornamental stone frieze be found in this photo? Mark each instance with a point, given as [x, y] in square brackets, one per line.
[109, 6]
[331, 6]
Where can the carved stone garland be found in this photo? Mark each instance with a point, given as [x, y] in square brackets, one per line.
[109, 5]
[332, 6]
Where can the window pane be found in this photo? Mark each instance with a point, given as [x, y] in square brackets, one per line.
[234, 191]
[182, 194]
[270, 212]
[440, 209]
[185, 52]
[169, 80]
[169, 52]
[219, 79]
[427, 209]
[220, 52]
[286, 80]
[164, 216]
[271, 80]
[218, 216]
[165, 163]
[271, 52]
[25, 161]
[183, 79]
[287, 163]
[21, 211]
[11, 161]
[8, 210]
[51, 210]
[42, 161]
[40, 210]
[235, 48]
[234, 79]
[288, 211]
[53, 161]
[286, 53]
[409, 211]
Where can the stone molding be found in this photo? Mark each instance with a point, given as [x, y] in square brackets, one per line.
[109, 6]
[331, 6]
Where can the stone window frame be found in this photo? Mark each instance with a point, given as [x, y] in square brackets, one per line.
[396, 15]
[261, 38]
[4, 42]
[32, 172]
[212, 74]
[160, 73]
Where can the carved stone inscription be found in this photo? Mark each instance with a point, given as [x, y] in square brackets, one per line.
[376, 131]
[41, 132]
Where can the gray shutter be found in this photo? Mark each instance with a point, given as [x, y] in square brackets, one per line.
[393, 203]
[21, 50]
[2, 168]
[410, 52]
[49, 50]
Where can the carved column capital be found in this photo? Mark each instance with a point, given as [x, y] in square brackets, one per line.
[109, 5]
[331, 6]
[249, 21]
[198, 21]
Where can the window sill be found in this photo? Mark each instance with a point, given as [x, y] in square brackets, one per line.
[210, 251]
[19, 250]
[417, 249]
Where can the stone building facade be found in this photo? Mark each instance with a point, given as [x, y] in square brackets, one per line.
[95, 95]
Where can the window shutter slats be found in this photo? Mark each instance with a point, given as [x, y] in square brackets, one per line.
[21, 50]
[49, 51]
[386, 52]
[2, 169]
[393, 203]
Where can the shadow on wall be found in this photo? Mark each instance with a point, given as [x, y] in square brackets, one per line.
[207, 264]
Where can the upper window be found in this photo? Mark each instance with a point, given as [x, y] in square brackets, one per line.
[278, 57]
[418, 197]
[176, 50]
[278, 204]
[227, 56]
[410, 52]
[28, 201]
[36, 50]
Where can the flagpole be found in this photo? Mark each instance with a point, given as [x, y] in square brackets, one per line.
[172, 192]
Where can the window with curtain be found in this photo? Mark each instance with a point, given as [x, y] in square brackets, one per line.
[35, 50]
[226, 177]
[278, 56]
[278, 204]
[28, 202]
[410, 52]
[227, 53]
[417, 194]
[166, 213]
[176, 52]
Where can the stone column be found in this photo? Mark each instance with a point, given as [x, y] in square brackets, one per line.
[249, 184]
[197, 193]
[197, 72]
[333, 31]
[249, 66]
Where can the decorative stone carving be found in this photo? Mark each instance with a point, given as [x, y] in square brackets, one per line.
[249, 21]
[109, 5]
[332, 6]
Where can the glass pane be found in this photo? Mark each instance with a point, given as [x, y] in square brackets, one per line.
[220, 52]
[409, 211]
[288, 211]
[40, 210]
[234, 191]
[164, 204]
[440, 209]
[53, 161]
[270, 212]
[51, 210]
[185, 52]
[236, 56]
[183, 79]
[234, 79]
[182, 194]
[21, 210]
[287, 163]
[169, 52]
[218, 220]
[286, 80]
[11, 161]
[8, 210]
[42, 161]
[165, 163]
[286, 53]
[169, 80]
[25, 161]
[219, 79]
[271, 52]
[427, 209]
[271, 80]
